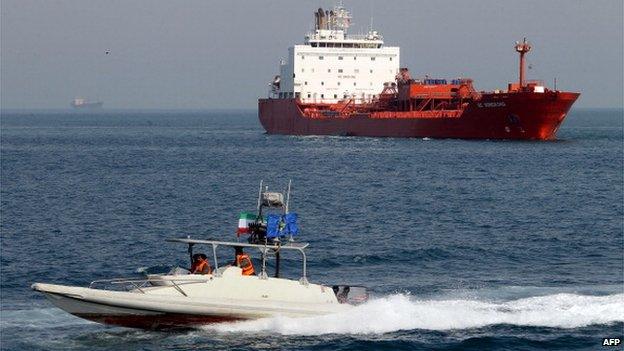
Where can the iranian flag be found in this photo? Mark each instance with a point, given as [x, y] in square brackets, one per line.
[244, 220]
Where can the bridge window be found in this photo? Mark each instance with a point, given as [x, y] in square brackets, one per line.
[340, 70]
[322, 96]
[309, 95]
[302, 70]
[354, 84]
[329, 70]
[305, 83]
[321, 58]
[371, 71]
[338, 83]
[322, 83]
[372, 58]
[357, 70]
[335, 96]
[340, 57]
[390, 58]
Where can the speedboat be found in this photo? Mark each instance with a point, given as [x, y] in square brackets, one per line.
[182, 300]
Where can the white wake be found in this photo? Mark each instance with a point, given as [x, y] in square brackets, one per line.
[401, 312]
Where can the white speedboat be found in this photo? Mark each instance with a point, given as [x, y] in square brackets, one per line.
[187, 300]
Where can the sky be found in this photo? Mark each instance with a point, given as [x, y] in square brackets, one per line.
[201, 54]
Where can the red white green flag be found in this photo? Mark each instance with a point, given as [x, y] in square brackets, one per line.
[244, 220]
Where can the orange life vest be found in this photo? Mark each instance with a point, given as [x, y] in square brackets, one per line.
[201, 267]
[244, 262]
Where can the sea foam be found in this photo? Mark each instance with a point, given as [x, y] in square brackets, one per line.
[402, 312]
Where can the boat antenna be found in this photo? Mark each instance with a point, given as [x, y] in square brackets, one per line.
[259, 195]
[288, 194]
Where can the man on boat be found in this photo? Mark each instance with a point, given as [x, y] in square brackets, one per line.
[200, 264]
[242, 260]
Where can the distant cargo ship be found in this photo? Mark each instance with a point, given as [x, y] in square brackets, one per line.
[339, 84]
[83, 103]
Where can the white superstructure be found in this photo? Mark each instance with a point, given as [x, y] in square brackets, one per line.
[332, 66]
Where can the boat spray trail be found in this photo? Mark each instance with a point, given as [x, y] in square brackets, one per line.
[402, 312]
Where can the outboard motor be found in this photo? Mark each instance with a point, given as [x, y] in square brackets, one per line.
[352, 295]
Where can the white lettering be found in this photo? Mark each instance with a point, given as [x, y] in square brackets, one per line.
[611, 341]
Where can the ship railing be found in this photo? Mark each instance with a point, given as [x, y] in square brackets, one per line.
[431, 95]
[312, 36]
[534, 82]
[352, 100]
[418, 114]
[140, 284]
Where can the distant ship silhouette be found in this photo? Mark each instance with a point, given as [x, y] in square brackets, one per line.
[83, 103]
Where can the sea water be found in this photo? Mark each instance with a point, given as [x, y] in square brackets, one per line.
[464, 244]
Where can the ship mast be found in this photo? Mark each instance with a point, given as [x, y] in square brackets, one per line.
[522, 48]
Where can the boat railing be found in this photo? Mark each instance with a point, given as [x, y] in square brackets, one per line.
[264, 249]
[140, 284]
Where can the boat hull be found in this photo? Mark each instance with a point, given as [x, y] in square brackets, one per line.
[106, 313]
[216, 300]
[520, 116]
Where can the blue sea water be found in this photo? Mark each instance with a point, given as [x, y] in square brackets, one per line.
[465, 244]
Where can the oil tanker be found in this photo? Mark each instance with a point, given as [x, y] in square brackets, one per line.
[352, 85]
[84, 104]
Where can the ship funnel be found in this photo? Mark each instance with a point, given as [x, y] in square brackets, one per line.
[326, 23]
[320, 14]
[522, 48]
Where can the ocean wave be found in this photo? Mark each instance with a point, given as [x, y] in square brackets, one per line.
[402, 312]
[39, 318]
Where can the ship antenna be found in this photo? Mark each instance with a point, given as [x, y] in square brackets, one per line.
[371, 16]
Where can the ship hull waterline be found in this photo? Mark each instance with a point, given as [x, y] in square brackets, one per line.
[516, 116]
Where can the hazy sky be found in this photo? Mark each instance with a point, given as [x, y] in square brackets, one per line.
[222, 54]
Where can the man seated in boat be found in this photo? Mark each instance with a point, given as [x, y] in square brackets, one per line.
[200, 264]
[242, 260]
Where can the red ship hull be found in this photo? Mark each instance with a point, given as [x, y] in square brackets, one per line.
[512, 115]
